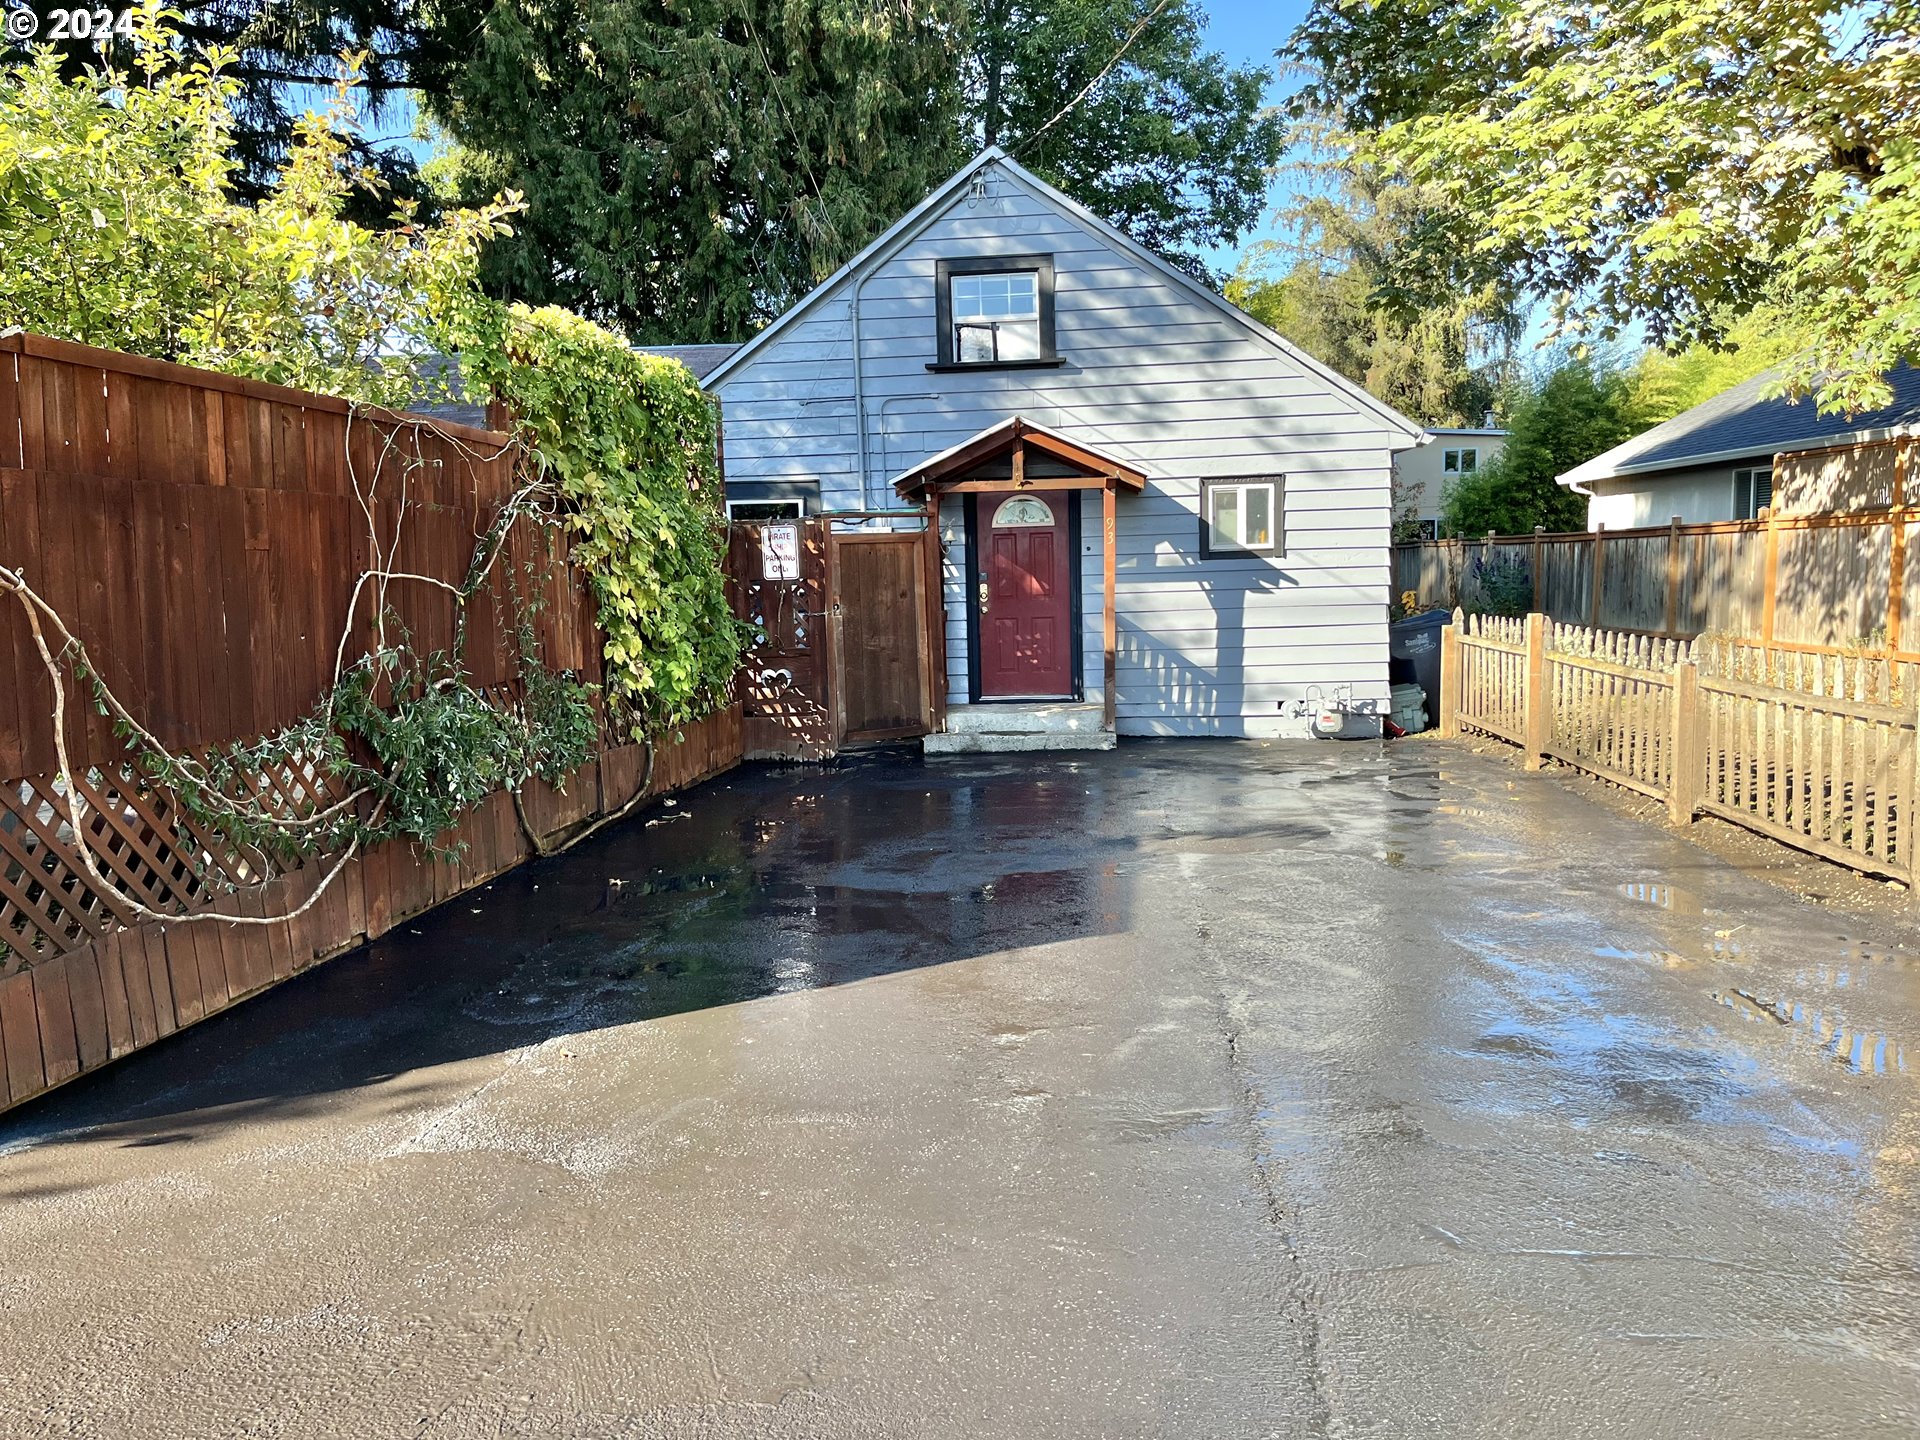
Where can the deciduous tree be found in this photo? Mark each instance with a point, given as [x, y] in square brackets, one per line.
[1666, 164]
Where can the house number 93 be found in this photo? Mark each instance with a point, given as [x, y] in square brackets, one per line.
[98, 24]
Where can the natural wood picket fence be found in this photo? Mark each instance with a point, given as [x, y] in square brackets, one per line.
[1814, 750]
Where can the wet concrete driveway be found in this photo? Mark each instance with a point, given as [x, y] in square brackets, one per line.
[1191, 1090]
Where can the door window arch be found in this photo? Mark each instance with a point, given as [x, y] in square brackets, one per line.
[1018, 511]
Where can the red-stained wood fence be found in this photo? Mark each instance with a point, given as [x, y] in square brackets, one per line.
[202, 536]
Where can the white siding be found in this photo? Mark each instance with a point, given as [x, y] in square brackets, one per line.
[1697, 495]
[1153, 375]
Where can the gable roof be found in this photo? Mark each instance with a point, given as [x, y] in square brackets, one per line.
[1016, 432]
[1744, 423]
[929, 209]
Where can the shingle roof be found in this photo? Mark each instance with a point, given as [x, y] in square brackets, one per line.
[441, 393]
[1742, 421]
[702, 360]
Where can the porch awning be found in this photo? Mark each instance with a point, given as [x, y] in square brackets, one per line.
[1017, 454]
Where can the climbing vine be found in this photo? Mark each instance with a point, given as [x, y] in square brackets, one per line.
[631, 444]
[613, 450]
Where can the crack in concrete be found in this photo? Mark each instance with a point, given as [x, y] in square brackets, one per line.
[1297, 1292]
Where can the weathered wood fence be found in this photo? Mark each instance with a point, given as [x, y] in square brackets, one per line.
[1828, 569]
[1814, 750]
[203, 535]
[846, 636]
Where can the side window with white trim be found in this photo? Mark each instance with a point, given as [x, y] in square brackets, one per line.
[1242, 516]
[1752, 492]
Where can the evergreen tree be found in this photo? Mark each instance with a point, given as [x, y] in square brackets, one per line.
[1574, 409]
[691, 168]
[287, 54]
[1159, 135]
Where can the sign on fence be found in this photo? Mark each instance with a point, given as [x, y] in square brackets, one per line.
[780, 551]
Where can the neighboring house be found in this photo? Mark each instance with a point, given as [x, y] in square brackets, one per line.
[1421, 477]
[702, 360]
[1026, 365]
[439, 391]
[1715, 461]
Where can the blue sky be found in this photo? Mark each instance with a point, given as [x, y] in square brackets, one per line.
[1247, 32]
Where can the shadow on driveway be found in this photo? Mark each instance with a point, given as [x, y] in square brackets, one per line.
[765, 880]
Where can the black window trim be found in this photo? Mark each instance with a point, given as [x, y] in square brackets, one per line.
[799, 504]
[943, 273]
[1747, 506]
[1277, 550]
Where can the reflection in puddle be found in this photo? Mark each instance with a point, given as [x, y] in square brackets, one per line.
[1665, 959]
[1867, 1053]
[1664, 896]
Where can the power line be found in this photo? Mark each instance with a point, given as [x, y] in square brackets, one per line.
[1105, 70]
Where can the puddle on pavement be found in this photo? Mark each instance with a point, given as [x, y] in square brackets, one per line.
[1862, 1051]
[1665, 896]
[1665, 959]
[1286, 835]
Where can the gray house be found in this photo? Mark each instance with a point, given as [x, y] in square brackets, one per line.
[1715, 461]
[1115, 456]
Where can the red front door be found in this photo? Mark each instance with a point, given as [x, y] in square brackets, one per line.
[1026, 596]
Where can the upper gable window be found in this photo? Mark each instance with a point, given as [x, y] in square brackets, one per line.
[995, 312]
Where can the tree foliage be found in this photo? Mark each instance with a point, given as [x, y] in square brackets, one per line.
[121, 229]
[283, 50]
[1661, 384]
[1661, 163]
[1442, 363]
[692, 168]
[1570, 411]
[632, 443]
[1172, 143]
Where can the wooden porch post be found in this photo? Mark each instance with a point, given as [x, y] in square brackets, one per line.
[936, 629]
[1109, 625]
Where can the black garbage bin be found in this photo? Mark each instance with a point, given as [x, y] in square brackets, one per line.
[1413, 646]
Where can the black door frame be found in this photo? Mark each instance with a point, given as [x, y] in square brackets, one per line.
[1077, 661]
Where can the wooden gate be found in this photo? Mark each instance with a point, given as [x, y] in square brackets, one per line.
[882, 605]
[845, 631]
[786, 698]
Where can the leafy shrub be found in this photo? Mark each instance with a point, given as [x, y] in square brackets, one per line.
[1499, 584]
[119, 229]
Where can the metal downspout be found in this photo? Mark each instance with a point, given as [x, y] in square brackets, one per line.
[860, 393]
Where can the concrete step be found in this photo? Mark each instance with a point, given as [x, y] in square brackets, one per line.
[1052, 717]
[987, 742]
